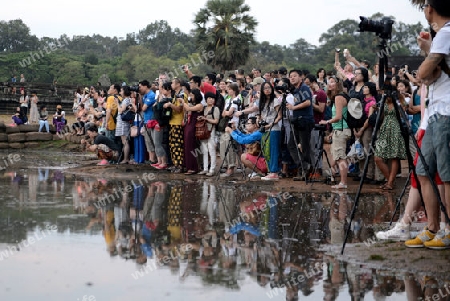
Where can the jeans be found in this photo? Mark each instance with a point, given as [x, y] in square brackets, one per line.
[274, 145]
[42, 123]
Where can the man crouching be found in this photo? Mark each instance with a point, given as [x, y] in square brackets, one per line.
[106, 149]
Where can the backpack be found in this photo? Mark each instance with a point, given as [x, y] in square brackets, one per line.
[352, 121]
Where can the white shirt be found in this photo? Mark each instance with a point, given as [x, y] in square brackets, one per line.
[439, 91]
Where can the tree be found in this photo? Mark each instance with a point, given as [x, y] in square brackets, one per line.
[225, 29]
[15, 37]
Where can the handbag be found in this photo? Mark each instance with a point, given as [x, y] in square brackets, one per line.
[128, 114]
[201, 130]
[134, 131]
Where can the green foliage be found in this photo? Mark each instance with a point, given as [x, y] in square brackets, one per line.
[223, 27]
[226, 28]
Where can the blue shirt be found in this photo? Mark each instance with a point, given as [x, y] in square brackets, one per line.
[415, 122]
[149, 100]
[302, 94]
[242, 138]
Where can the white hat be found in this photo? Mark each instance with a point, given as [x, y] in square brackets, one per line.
[355, 108]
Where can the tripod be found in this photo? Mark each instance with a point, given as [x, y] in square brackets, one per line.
[329, 179]
[292, 135]
[232, 144]
[383, 62]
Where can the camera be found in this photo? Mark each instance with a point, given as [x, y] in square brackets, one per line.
[283, 88]
[382, 28]
[320, 127]
[249, 87]
[237, 102]
[134, 88]
[165, 100]
[337, 50]
[230, 124]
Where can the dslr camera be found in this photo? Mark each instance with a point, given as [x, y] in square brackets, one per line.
[382, 28]
[134, 88]
[262, 124]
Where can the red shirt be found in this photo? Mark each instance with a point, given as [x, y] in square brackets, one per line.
[207, 87]
[320, 97]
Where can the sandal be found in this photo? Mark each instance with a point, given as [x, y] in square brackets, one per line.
[190, 172]
[387, 187]
[339, 186]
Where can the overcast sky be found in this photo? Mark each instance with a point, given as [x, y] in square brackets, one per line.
[301, 19]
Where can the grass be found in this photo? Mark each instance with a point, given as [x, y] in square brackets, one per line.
[376, 257]
[53, 144]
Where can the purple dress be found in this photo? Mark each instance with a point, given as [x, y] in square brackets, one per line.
[190, 143]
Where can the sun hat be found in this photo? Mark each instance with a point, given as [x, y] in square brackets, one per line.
[355, 108]
[258, 81]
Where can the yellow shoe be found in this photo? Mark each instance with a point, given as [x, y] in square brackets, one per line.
[440, 241]
[420, 239]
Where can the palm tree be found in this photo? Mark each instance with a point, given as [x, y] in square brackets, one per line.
[225, 29]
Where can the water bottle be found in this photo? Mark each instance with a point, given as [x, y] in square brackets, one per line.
[359, 150]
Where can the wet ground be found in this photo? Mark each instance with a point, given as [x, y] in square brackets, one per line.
[70, 230]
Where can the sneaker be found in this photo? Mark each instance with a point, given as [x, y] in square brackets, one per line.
[254, 175]
[203, 172]
[422, 237]
[300, 177]
[440, 242]
[224, 175]
[270, 177]
[103, 162]
[400, 233]
[210, 174]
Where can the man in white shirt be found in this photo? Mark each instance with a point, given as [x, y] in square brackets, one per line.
[434, 71]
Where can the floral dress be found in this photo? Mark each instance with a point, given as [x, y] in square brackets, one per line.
[390, 144]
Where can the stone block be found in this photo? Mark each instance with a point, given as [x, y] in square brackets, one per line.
[12, 130]
[3, 137]
[18, 137]
[26, 128]
[16, 145]
[31, 144]
[4, 145]
[38, 136]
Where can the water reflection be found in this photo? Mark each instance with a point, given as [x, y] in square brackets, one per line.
[220, 236]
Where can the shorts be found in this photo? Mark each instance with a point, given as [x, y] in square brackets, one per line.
[437, 179]
[436, 148]
[339, 144]
[261, 165]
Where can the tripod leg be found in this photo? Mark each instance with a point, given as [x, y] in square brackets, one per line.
[224, 158]
[399, 200]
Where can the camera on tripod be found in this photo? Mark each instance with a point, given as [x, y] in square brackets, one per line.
[134, 88]
[382, 28]
[283, 88]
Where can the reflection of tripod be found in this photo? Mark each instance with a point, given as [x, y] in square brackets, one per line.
[329, 179]
[232, 144]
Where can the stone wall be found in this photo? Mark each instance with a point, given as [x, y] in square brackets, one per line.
[27, 136]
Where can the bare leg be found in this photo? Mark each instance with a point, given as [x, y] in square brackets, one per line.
[126, 149]
[431, 204]
[343, 169]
